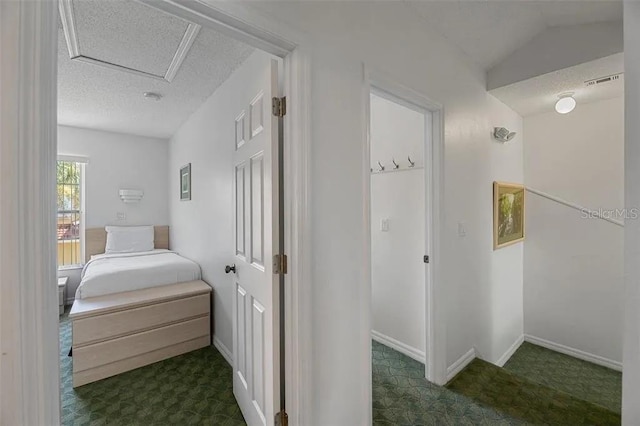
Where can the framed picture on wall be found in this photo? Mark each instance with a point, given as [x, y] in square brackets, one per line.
[185, 182]
[508, 214]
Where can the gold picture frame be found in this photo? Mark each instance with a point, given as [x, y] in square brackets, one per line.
[508, 214]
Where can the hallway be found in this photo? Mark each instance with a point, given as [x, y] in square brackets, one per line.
[483, 394]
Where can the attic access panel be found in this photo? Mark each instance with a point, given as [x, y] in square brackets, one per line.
[127, 36]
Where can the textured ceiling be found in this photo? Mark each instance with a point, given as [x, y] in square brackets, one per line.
[139, 37]
[106, 30]
[539, 95]
[488, 31]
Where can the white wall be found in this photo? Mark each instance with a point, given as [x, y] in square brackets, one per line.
[484, 288]
[202, 229]
[397, 268]
[118, 160]
[573, 280]
[631, 376]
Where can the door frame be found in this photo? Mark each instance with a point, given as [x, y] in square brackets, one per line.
[244, 24]
[435, 315]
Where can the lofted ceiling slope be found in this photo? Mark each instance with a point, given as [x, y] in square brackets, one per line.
[490, 30]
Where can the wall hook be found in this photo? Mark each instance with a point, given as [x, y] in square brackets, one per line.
[395, 165]
[411, 163]
[381, 169]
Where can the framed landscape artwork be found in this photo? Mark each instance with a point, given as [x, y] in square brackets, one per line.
[185, 182]
[508, 214]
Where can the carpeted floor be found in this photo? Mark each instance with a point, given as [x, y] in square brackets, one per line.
[483, 394]
[527, 400]
[191, 389]
[402, 396]
[536, 386]
[581, 379]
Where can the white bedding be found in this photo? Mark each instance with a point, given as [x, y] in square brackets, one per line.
[118, 272]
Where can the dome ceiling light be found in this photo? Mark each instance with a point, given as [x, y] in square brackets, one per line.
[152, 95]
[565, 103]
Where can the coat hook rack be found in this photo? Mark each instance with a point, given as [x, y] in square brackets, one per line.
[394, 167]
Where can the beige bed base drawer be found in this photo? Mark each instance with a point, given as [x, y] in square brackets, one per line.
[102, 372]
[116, 324]
[95, 355]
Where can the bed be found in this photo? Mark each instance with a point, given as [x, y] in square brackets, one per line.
[136, 308]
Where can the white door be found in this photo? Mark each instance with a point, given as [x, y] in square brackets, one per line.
[256, 372]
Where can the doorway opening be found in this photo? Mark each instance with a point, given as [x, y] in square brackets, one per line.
[399, 229]
[405, 157]
[245, 172]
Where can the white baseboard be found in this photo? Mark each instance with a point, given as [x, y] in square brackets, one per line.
[576, 353]
[509, 353]
[409, 351]
[461, 363]
[226, 353]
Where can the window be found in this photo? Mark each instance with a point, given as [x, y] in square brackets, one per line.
[69, 215]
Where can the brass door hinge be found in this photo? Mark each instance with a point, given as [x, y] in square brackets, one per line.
[282, 419]
[280, 264]
[279, 106]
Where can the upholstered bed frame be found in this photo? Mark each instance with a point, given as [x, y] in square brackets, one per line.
[96, 239]
[123, 331]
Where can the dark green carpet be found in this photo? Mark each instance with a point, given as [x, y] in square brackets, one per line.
[534, 403]
[196, 388]
[191, 389]
[402, 396]
[581, 379]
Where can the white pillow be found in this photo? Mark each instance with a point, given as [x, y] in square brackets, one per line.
[129, 239]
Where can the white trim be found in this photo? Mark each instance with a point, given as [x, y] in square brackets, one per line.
[403, 348]
[73, 158]
[223, 17]
[98, 62]
[582, 209]
[366, 212]
[460, 364]
[224, 351]
[29, 342]
[509, 353]
[188, 38]
[242, 23]
[435, 316]
[83, 211]
[69, 27]
[576, 353]
[297, 211]
[405, 169]
[67, 16]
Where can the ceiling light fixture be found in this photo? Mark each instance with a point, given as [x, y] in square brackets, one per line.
[565, 103]
[153, 96]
